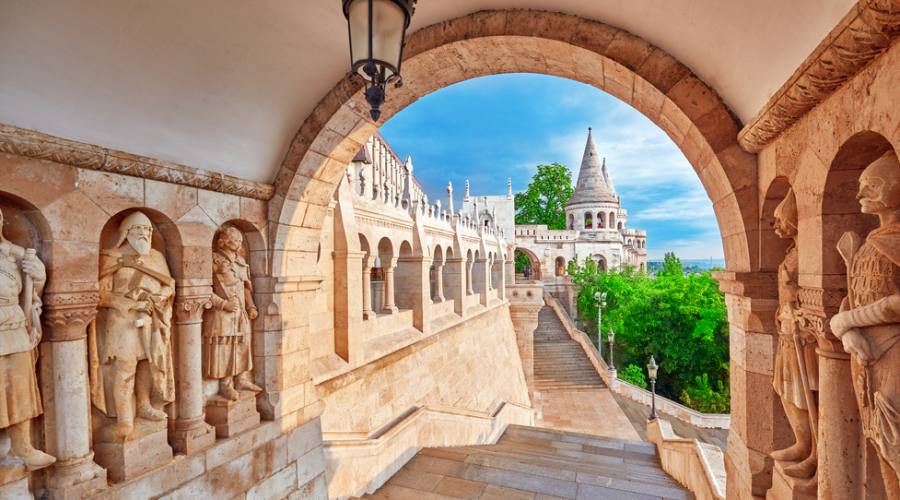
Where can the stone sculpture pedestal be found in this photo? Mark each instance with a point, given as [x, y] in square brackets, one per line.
[232, 417]
[13, 479]
[785, 487]
[149, 448]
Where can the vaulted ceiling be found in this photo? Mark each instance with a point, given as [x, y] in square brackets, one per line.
[224, 84]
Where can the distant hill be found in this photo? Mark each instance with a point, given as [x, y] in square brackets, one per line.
[691, 266]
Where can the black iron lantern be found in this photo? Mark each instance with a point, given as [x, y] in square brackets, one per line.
[377, 30]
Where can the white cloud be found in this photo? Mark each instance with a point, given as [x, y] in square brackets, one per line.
[690, 208]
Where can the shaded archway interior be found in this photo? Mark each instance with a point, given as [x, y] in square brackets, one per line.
[337, 129]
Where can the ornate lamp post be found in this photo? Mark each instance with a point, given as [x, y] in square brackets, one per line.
[377, 29]
[601, 303]
[612, 342]
[652, 368]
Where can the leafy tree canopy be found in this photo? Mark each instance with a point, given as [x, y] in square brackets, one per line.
[545, 199]
[680, 319]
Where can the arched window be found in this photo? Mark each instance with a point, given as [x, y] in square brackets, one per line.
[588, 220]
[601, 220]
[560, 266]
[571, 221]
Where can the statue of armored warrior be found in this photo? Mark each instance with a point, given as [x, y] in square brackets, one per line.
[22, 279]
[131, 342]
[796, 363]
[227, 329]
[869, 321]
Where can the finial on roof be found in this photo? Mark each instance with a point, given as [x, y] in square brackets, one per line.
[466, 196]
[509, 194]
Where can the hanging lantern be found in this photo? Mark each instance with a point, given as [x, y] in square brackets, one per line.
[377, 29]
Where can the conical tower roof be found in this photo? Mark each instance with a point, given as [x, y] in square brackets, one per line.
[593, 184]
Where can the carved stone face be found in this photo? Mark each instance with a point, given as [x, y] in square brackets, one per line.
[785, 224]
[138, 232]
[879, 185]
[231, 240]
[140, 237]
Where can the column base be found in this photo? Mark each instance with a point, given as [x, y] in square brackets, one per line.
[367, 315]
[12, 470]
[149, 448]
[75, 479]
[785, 487]
[16, 489]
[192, 436]
[232, 417]
[390, 310]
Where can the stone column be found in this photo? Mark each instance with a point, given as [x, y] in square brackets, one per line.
[348, 309]
[483, 275]
[758, 424]
[67, 394]
[368, 313]
[525, 302]
[839, 441]
[415, 288]
[469, 278]
[190, 433]
[456, 283]
[390, 306]
[439, 283]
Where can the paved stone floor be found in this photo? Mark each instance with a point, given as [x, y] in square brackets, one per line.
[637, 414]
[590, 412]
[530, 463]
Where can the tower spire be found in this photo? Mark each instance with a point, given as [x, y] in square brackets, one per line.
[593, 184]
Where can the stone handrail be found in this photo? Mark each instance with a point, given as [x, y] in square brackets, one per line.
[630, 391]
[699, 468]
[357, 465]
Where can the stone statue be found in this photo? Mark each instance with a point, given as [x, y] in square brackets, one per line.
[22, 279]
[131, 341]
[227, 329]
[869, 321]
[796, 363]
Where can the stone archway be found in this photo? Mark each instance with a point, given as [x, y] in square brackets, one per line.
[506, 41]
[536, 268]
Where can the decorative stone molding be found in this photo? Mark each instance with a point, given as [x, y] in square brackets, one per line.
[866, 32]
[32, 144]
[67, 315]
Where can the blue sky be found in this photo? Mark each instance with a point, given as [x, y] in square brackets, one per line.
[491, 128]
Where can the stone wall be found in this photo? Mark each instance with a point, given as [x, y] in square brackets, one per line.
[472, 365]
[212, 446]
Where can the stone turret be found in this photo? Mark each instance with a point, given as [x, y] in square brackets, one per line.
[593, 179]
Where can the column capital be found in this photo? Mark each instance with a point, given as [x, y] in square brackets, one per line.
[190, 302]
[67, 315]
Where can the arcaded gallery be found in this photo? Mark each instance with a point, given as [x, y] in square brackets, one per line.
[218, 280]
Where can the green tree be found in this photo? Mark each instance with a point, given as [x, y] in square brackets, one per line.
[634, 375]
[545, 199]
[680, 319]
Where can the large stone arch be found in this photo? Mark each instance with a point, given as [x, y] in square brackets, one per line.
[507, 41]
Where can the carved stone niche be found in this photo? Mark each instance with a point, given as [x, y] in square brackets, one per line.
[228, 327]
[131, 345]
[22, 279]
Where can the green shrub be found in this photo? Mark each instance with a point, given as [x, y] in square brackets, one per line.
[700, 396]
[633, 374]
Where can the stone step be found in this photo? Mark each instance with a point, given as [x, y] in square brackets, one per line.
[531, 462]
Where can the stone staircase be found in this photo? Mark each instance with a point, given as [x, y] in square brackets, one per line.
[532, 463]
[560, 363]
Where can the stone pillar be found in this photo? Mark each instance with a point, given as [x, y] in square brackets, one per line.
[284, 308]
[525, 302]
[415, 289]
[439, 283]
[456, 283]
[190, 433]
[469, 278]
[839, 441]
[67, 394]
[368, 313]
[510, 270]
[390, 306]
[348, 306]
[482, 278]
[758, 424]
